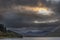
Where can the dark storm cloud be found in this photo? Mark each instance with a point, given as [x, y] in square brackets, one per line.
[8, 3]
[11, 19]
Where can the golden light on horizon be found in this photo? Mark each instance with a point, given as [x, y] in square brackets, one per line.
[42, 10]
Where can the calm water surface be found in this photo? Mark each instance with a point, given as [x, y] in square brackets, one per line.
[33, 38]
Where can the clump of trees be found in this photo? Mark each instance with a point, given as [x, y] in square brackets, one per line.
[2, 28]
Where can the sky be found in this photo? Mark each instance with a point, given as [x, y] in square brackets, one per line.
[21, 13]
[54, 1]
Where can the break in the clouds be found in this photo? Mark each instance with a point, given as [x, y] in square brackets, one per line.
[54, 1]
[48, 21]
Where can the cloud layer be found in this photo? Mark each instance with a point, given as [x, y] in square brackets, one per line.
[18, 15]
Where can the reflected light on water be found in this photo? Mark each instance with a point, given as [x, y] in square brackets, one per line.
[33, 38]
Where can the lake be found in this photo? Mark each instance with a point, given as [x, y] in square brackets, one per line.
[33, 38]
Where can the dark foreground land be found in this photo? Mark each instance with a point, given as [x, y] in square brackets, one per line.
[10, 34]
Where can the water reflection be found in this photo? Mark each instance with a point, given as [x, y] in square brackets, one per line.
[33, 38]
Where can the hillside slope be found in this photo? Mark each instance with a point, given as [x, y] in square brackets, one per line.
[10, 34]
